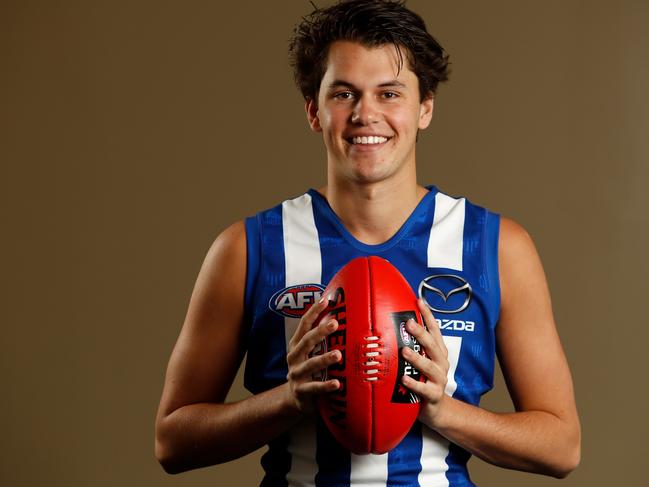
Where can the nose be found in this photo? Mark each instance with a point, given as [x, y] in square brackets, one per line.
[365, 112]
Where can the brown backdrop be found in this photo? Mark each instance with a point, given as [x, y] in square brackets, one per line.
[132, 132]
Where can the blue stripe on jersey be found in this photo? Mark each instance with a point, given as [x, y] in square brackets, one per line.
[266, 359]
[334, 462]
[266, 356]
[472, 255]
[457, 474]
[404, 461]
[276, 462]
[491, 258]
[253, 257]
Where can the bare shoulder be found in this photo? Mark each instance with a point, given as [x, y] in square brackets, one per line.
[218, 296]
[223, 272]
[234, 235]
[519, 265]
[514, 238]
[229, 247]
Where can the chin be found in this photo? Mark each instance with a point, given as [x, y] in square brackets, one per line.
[374, 172]
[371, 177]
[366, 170]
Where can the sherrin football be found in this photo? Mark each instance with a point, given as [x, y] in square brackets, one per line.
[372, 411]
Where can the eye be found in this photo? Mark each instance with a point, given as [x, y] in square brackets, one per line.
[390, 95]
[344, 95]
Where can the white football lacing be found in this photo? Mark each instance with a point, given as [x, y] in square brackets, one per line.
[372, 355]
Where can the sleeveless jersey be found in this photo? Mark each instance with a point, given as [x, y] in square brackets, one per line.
[447, 250]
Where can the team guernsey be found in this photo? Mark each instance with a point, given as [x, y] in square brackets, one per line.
[448, 252]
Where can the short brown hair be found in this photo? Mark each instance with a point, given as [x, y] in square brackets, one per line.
[372, 23]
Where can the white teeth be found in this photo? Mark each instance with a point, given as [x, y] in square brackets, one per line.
[369, 140]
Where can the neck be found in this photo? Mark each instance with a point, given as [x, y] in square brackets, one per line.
[373, 212]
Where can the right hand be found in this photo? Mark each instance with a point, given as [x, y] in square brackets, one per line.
[302, 386]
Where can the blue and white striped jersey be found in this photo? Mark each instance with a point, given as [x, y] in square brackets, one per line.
[447, 250]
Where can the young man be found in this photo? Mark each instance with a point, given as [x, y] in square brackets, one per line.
[368, 71]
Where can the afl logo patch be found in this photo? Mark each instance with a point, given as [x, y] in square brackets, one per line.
[294, 301]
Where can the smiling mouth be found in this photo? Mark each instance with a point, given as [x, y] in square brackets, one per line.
[368, 140]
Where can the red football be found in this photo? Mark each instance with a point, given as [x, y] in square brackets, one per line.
[371, 412]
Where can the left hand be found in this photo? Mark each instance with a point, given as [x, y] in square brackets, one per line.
[434, 365]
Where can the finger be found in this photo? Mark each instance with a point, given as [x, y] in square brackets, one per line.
[434, 370]
[414, 385]
[317, 335]
[306, 322]
[427, 341]
[432, 325]
[307, 343]
[308, 368]
[316, 387]
[425, 390]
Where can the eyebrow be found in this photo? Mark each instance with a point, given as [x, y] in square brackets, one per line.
[339, 83]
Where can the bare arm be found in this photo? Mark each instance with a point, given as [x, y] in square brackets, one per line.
[194, 427]
[543, 435]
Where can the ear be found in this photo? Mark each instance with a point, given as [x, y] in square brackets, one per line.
[426, 111]
[312, 116]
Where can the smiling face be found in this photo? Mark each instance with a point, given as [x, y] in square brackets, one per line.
[369, 113]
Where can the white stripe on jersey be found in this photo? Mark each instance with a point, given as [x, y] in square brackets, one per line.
[301, 248]
[366, 467]
[445, 249]
[445, 245]
[453, 344]
[435, 447]
[303, 265]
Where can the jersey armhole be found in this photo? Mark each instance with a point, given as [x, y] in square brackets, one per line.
[253, 264]
[491, 250]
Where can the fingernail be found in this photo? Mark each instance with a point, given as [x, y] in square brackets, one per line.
[321, 300]
[332, 325]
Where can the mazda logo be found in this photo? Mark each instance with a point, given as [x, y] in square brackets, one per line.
[446, 287]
